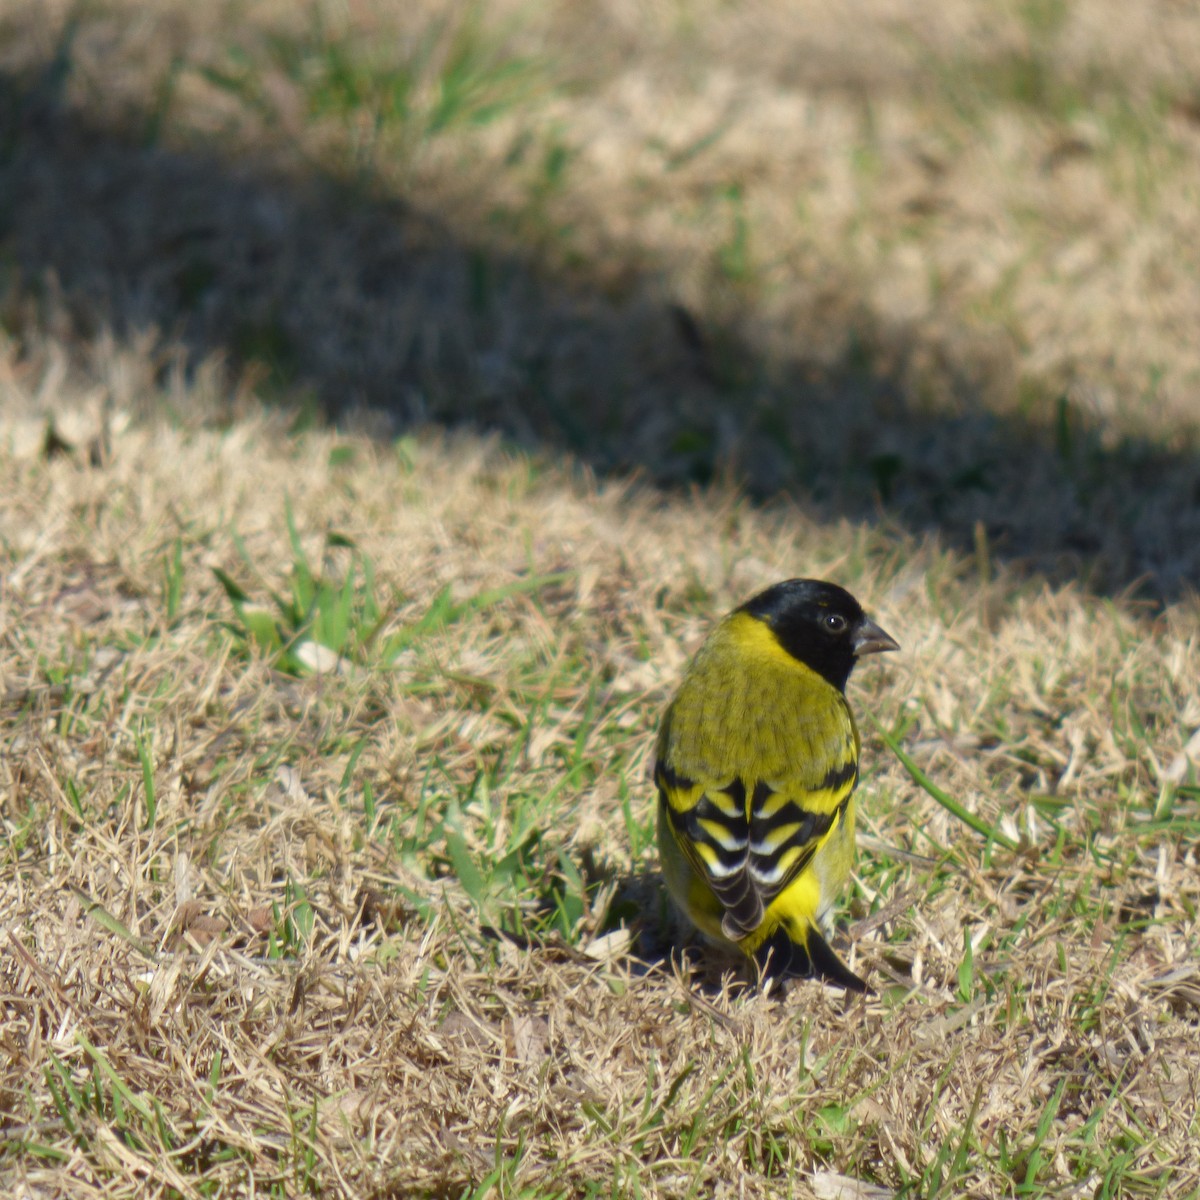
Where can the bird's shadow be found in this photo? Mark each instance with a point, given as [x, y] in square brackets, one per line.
[657, 942]
[631, 925]
[662, 942]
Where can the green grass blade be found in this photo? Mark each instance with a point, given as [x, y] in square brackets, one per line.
[118, 1084]
[947, 801]
[105, 919]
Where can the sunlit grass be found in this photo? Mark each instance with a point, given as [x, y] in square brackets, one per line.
[457, 834]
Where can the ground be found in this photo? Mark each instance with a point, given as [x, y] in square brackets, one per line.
[392, 395]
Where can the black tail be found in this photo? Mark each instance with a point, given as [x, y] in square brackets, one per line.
[782, 957]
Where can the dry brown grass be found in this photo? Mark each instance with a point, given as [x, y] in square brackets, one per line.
[250, 907]
[389, 1047]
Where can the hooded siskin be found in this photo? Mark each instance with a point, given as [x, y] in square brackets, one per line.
[756, 765]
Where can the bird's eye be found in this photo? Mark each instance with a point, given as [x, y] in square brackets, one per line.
[834, 623]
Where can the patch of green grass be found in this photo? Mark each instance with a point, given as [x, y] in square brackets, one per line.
[327, 621]
[391, 98]
[86, 1100]
[497, 834]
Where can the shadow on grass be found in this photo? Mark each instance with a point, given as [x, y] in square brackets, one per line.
[638, 930]
[623, 915]
[342, 305]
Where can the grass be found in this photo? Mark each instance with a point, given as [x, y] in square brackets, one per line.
[403, 393]
[395, 924]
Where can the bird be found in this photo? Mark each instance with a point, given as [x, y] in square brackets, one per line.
[756, 764]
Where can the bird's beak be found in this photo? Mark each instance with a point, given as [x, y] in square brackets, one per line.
[870, 639]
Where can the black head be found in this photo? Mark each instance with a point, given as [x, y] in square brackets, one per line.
[820, 624]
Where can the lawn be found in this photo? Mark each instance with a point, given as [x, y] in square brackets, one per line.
[393, 395]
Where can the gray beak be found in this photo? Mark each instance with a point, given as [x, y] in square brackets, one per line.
[870, 639]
